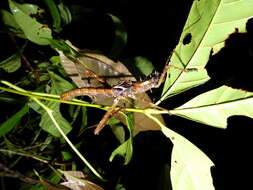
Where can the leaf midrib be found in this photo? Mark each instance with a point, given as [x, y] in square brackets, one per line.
[201, 41]
[215, 105]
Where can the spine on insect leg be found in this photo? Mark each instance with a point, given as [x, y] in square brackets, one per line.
[67, 96]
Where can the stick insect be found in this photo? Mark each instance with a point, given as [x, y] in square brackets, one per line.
[122, 90]
[87, 71]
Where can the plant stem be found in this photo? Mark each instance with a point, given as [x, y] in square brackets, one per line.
[55, 98]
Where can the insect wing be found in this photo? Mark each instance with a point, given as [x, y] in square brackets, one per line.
[73, 72]
[112, 72]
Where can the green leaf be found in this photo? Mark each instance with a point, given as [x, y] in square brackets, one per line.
[36, 107]
[61, 45]
[120, 37]
[190, 167]
[66, 155]
[30, 9]
[12, 63]
[208, 25]
[33, 30]
[8, 125]
[126, 149]
[8, 19]
[214, 107]
[117, 129]
[59, 86]
[65, 13]
[118, 132]
[144, 65]
[47, 124]
[113, 122]
[84, 116]
[55, 14]
[55, 60]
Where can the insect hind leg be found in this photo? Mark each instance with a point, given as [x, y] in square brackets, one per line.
[108, 115]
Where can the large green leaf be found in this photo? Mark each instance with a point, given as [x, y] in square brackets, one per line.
[214, 107]
[190, 167]
[209, 23]
[33, 30]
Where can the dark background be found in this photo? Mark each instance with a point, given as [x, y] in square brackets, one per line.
[154, 28]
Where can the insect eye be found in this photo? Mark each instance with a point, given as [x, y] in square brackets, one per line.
[119, 87]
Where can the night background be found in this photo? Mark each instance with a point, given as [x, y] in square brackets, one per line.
[153, 29]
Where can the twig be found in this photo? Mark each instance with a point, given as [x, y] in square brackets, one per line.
[16, 174]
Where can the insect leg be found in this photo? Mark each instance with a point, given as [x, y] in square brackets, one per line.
[148, 103]
[162, 76]
[107, 116]
[166, 68]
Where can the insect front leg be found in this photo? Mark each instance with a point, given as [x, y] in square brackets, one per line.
[165, 70]
[162, 76]
[146, 103]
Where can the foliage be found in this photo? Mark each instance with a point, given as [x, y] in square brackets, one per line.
[57, 128]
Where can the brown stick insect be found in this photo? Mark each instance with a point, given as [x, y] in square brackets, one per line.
[125, 88]
[100, 81]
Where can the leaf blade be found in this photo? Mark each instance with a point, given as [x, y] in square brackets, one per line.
[208, 25]
[54, 14]
[48, 125]
[190, 167]
[214, 107]
[12, 63]
[125, 149]
[59, 85]
[13, 120]
[33, 30]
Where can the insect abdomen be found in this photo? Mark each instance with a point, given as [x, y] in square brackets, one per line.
[67, 96]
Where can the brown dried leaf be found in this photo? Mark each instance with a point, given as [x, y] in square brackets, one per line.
[76, 181]
[51, 186]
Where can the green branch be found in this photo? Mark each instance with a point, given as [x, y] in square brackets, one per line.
[55, 98]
